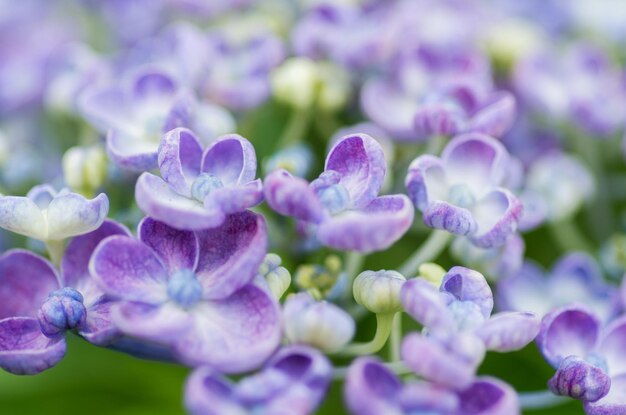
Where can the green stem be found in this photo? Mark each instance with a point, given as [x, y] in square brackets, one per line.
[541, 400]
[567, 235]
[296, 127]
[383, 329]
[436, 144]
[55, 250]
[430, 250]
[396, 338]
[353, 264]
[398, 368]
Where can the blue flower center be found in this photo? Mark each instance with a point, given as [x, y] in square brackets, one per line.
[183, 288]
[203, 185]
[335, 198]
[461, 195]
[63, 310]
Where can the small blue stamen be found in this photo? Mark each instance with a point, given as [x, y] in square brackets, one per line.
[183, 288]
[203, 185]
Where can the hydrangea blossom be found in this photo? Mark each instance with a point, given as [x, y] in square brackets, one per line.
[461, 191]
[371, 389]
[495, 263]
[47, 215]
[343, 202]
[588, 358]
[136, 112]
[575, 278]
[39, 305]
[200, 187]
[193, 291]
[459, 327]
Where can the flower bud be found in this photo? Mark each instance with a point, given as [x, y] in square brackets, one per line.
[85, 168]
[319, 278]
[317, 323]
[278, 278]
[432, 272]
[379, 291]
[63, 310]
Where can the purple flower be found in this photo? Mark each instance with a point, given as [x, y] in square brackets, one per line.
[422, 98]
[136, 111]
[199, 189]
[47, 215]
[193, 292]
[588, 358]
[239, 74]
[459, 327]
[39, 305]
[293, 381]
[343, 202]
[495, 263]
[372, 389]
[575, 278]
[580, 85]
[461, 191]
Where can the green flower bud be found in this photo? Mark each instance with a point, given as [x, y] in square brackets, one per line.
[379, 291]
[432, 272]
[278, 278]
[319, 278]
[85, 168]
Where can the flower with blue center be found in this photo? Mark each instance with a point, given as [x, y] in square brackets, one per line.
[462, 192]
[39, 305]
[588, 358]
[193, 292]
[137, 111]
[342, 204]
[199, 188]
[575, 278]
[371, 389]
[47, 215]
[458, 327]
[292, 381]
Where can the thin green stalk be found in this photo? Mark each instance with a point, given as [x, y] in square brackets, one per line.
[353, 263]
[396, 338]
[541, 400]
[383, 329]
[296, 127]
[567, 235]
[428, 251]
[56, 249]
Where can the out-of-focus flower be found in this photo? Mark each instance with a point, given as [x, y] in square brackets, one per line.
[274, 275]
[320, 324]
[588, 358]
[575, 278]
[200, 187]
[39, 305]
[461, 191]
[293, 381]
[343, 201]
[306, 84]
[379, 291]
[138, 110]
[372, 389]
[85, 168]
[47, 215]
[495, 263]
[580, 85]
[325, 280]
[613, 256]
[459, 327]
[421, 98]
[193, 292]
[297, 160]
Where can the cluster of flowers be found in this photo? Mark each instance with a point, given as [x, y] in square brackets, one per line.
[485, 124]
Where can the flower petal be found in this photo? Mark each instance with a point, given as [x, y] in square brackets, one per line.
[176, 249]
[476, 160]
[292, 196]
[132, 152]
[489, 396]
[71, 214]
[613, 403]
[579, 379]
[371, 388]
[231, 158]
[425, 181]
[465, 284]
[423, 301]
[230, 255]
[156, 199]
[390, 108]
[163, 324]
[509, 331]
[528, 289]
[75, 261]
[360, 162]
[454, 219]
[26, 280]
[208, 392]
[612, 345]
[128, 269]
[233, 335]
[24, 350]
[234, 199]
[568, 331]
[21, 215]
[107, 107]
[373, 228]
[497, 215]
[496, 116]
[98, 328]
[180, 155]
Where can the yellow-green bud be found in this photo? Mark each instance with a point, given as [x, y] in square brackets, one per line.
[85, 168]
[432, 272]
[379, 291]
[278, 278]
[320, 278]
